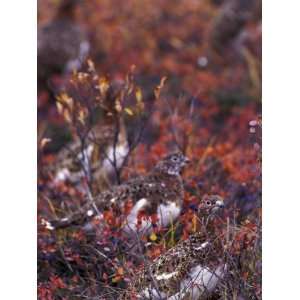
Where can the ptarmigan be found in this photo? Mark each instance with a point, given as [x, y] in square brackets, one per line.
[99, 159]
[160, 192]
[190, 270]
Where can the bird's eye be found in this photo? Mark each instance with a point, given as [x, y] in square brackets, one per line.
[175, 158]
[208, 203]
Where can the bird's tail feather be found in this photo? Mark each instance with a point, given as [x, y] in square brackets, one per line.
[84, 214]
[79, 218]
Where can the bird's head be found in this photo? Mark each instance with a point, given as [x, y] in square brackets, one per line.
[172, 164]
[211, 204]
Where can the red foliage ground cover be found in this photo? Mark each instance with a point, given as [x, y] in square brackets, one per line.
[208, 106]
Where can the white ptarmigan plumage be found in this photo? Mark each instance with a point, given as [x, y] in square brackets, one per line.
[166, 214]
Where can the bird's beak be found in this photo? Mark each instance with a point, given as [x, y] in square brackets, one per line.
[186, 160]
[220, 204]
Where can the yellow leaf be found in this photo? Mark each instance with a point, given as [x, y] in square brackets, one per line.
[129, 111]
[176, 43]
[118, 106]
[159, 87]
[67, 116]
[59, 107]
[81, 76]
[138, 95]
[139, 98]
[120, 271]
[116, 279]
[153, 237]
[81, 117]
[64, 98]
[91, 65]
[103, 85]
